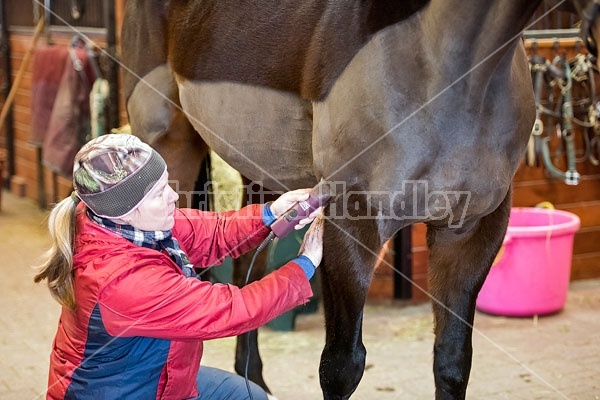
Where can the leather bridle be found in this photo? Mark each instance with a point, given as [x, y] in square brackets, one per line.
[589, 15]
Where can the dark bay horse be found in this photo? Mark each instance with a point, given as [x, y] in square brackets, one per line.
[422, 109]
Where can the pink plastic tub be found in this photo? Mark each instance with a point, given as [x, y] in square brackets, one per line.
[532, 274]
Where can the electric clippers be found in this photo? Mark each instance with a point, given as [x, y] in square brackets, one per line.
[319, 196]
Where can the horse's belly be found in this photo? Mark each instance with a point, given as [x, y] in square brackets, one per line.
[263, 133]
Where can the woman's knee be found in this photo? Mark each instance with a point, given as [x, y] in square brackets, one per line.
[215, 384]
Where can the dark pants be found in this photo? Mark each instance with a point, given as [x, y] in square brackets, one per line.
[216, 384]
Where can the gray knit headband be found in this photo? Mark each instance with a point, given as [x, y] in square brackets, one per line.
[113, 174]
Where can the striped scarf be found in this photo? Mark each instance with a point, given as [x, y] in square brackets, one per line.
[157, 240]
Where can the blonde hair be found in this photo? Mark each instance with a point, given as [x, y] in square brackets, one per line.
[58, 267]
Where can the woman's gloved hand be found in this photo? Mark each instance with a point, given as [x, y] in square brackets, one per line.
[288, 200]
[312, 246]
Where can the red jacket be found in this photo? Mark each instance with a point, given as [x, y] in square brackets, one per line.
[139, 324]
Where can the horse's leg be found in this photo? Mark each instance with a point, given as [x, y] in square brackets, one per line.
[248, 342]
[459, 263]
[349, 255]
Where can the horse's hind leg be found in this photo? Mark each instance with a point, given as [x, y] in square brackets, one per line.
[459, 263]
[152, 97]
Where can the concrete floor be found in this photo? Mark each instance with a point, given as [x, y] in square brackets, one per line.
[553, 357]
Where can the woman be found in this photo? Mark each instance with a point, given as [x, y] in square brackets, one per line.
[122, 265]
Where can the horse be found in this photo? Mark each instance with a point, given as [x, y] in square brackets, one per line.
[422, 109]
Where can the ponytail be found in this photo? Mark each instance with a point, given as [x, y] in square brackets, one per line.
[58, 267]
